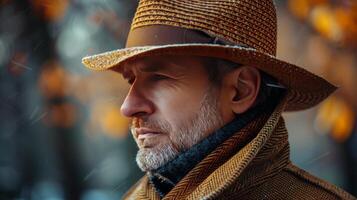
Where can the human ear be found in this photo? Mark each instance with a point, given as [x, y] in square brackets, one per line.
[245, 82]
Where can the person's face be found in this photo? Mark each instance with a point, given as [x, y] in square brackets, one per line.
[173, 106]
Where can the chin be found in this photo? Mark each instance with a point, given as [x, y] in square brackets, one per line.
[151, 158]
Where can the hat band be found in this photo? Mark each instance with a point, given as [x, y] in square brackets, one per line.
[154, 35]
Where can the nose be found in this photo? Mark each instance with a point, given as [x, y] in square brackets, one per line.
[136, 104]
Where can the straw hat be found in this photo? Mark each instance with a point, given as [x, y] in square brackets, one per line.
[242, 31]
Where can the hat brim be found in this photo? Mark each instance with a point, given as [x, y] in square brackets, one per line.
[305, 89]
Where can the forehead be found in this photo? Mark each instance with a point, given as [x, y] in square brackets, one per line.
[164, 63]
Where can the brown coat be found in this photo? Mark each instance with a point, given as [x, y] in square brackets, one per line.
[260, 170]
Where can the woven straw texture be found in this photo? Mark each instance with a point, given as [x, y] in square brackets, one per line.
[250, 25]
[259, 170]
[248, 22]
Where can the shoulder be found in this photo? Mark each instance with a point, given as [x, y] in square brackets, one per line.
[311, 187]
[292, 183]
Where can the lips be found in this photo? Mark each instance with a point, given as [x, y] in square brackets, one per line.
[144, 133]
[147, 135]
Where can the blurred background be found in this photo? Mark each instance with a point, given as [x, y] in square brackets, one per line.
[61, 132]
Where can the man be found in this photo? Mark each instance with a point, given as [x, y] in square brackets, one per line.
[206, 97]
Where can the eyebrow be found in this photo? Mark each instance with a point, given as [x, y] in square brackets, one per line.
[152, 68]
[158, 66]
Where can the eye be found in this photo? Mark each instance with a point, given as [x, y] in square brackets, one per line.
[159, 77]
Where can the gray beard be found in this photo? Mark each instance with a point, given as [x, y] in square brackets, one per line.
[185, 136]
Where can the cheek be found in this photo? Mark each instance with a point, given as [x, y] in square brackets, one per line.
[225, 110]
[225, 107]
[177, 106]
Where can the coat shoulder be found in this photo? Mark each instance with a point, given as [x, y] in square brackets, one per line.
[312, 186]
[290, 183]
